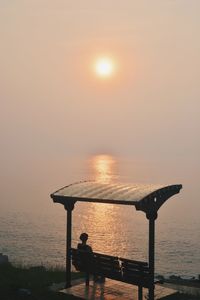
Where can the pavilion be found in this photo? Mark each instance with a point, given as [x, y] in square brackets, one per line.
[147, 198]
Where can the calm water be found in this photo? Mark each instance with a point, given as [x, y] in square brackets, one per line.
[34, 233]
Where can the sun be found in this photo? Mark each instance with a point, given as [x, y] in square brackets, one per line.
[104, 67]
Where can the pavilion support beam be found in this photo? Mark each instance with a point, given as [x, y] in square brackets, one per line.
[140, 293]
[151, 217]
[69, 208]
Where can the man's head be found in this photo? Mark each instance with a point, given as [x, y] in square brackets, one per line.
[84, 237]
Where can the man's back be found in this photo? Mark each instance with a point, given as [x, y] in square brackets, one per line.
[84, 247]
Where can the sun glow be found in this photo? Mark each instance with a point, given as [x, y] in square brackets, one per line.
[104, 167]
[104, 67]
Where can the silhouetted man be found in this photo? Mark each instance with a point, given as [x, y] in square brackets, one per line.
[83, 246]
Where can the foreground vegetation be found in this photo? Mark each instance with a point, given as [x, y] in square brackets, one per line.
[180, 297]
[19, 283]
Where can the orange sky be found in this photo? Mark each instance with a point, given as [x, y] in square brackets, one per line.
[53, 106]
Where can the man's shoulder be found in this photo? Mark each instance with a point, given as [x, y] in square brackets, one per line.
[89, 248]
[79, 246]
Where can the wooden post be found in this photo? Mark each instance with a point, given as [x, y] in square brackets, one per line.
[140, 296]
[151, 217]
[69, 207]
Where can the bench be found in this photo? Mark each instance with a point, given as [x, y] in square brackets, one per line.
[113, 267]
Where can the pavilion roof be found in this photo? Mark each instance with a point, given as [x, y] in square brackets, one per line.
[144, 197]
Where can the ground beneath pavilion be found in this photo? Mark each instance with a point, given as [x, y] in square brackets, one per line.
[112, 290]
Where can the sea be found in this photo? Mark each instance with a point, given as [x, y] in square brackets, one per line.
[33, 228]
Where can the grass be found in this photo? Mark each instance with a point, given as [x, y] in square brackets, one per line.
[36, 280]
[180, 297]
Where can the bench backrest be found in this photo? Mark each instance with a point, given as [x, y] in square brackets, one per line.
[94, 261]
[106, 265]
[135, 271]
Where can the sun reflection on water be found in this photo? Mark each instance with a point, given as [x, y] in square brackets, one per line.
[104, 168]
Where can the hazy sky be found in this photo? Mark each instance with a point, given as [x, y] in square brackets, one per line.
[53, 106]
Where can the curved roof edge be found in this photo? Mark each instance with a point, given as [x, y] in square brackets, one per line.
[145, 197]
